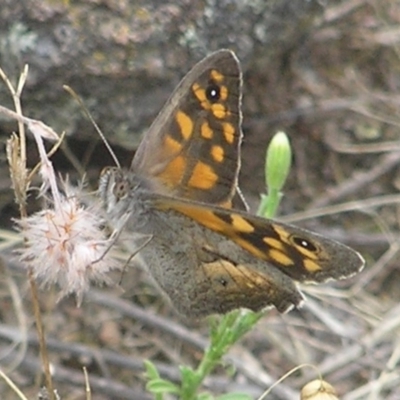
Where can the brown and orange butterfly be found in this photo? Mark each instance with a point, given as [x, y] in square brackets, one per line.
[207, 257]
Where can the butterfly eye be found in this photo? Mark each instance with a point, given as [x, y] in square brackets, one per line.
[213, 92]
[121, 188]
[304, 243]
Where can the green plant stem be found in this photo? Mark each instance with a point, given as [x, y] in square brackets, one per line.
[224, 334]
[269, 203]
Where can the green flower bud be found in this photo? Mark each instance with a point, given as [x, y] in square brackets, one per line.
[278, 161]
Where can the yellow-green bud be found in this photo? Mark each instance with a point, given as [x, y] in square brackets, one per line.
[279, 159]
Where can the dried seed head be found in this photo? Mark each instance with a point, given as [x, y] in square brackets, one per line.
[318, 390]
[66, 245]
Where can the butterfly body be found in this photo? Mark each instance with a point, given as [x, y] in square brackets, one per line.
[174, 204]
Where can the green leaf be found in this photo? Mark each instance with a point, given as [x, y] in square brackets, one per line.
[205, 396]
[160, 386]
[187, 373]
[234, 396]
[151, 370]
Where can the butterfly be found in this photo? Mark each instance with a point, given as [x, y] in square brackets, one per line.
[177, 196]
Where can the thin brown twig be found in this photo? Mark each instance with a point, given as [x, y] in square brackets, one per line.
[153, 320]
[389, 324]
[21, 188]
[356, 205]
[358, 180]
[113, 359]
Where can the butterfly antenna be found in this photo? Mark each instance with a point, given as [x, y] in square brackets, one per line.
[91, 119]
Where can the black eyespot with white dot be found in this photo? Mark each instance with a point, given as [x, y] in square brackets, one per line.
[213, 92]
[306, 244]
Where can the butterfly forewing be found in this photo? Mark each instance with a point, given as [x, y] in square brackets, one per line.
[298, 253]
[192, 150]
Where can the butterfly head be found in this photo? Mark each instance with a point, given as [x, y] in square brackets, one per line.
[116, 186]
[113, 186]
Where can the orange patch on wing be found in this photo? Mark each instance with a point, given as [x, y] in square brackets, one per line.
[229, 132]
[242, 276]
[173, 146]
[219, 111]
[206, 131]
[241, 224]
[216, 75]
[207, 218]
[311, 266]
[223, 93]
[282, 233]
[245, 244]
[280, 258]
[204, 216]
[185, 124]
[272, 242]
[200, 94]
[174, 170]
[217, 153]
[203, 176]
